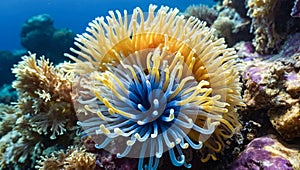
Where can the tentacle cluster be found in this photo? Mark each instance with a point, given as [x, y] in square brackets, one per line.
[161, 83]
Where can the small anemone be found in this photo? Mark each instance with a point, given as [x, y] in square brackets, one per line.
[150, 85]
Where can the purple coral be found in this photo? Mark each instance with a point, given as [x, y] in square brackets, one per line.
[256, 157]
[254, 74]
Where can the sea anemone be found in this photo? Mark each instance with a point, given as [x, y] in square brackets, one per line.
[152, 84]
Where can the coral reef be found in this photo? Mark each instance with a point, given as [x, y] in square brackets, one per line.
[232, 26]
[263, 25]
[227, 22]
[8, 94]
[107, 160]
[273, 84]
[8, 117]
[157, 91]
[48, 91]
[202, 12]
[44, 118]
[73, 158]
[152, 89]
[39, 36]
[267, 153]
[271, 23]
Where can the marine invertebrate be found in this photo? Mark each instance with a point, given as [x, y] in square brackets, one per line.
[230, 25]
[267, 153]
[46, 118]
[202, 12]
[273, 85]
[47, 93]
[271, 23]
[73, 158]
[8, 116]
[263, 25]
[155, 83]
[224, 27]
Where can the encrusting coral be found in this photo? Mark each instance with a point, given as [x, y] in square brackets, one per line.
[267, 153]
[161, 83]
[273, 84]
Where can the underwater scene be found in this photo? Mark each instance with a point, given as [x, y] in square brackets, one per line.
[146, 85]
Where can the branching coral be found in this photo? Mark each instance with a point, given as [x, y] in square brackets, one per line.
[45, 113]
[47, 93]
[157, 83]
[8, 116]
[74, 158]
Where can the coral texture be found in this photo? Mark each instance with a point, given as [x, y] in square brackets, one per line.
[45, 117]
[73, 159]
[232, 26]
[273, 84]
[267, 153]
[107, 160]
[8, 117]
[202, 12]
[271, 23]
[263, 25]
[161, 83]
[48, 91]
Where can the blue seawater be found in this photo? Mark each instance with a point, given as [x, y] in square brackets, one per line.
[73, 14]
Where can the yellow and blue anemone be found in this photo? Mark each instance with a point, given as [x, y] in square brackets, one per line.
[147, 85]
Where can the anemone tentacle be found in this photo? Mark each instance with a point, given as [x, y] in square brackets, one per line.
[159, 82]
